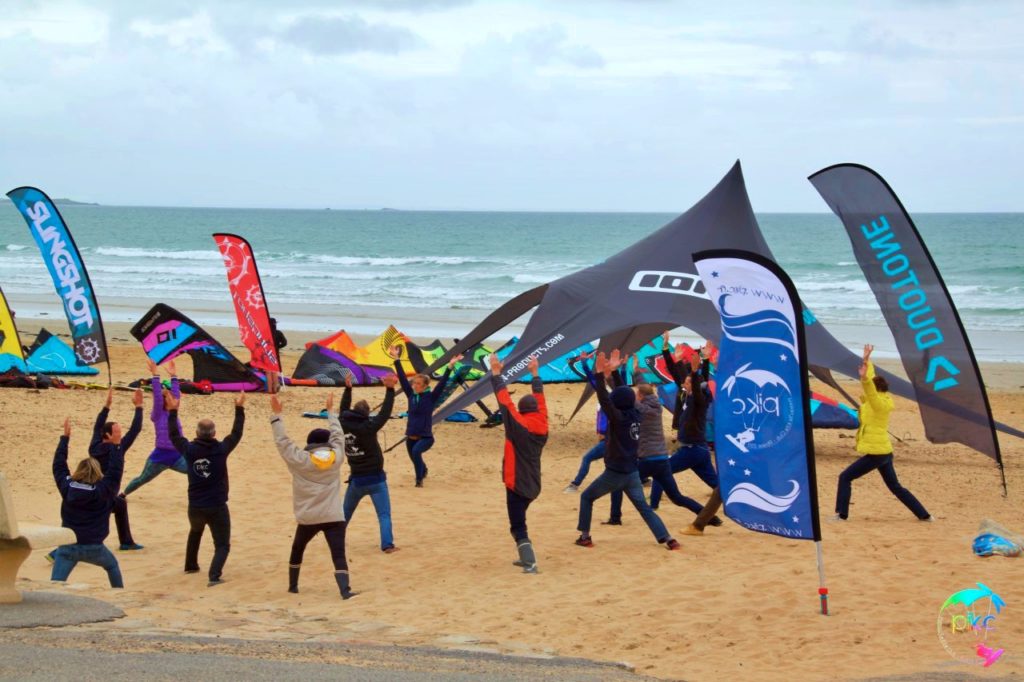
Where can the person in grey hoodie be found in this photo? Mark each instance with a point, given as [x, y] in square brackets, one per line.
[316, 492]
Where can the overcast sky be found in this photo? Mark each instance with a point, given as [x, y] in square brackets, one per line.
[570, 105]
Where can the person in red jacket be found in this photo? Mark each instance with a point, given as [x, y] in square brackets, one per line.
[526, 432]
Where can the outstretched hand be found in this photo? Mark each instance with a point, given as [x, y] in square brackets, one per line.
[329, 405]
[275, 404]
[170, 402]
[495, 364]
[171, 368]
[455, 359]
[348, 380]
[868, 349]
[137, 398]
[389, 380]
[664, 340]
[534, 367]
[67, 427]
[153, 369]
[601, 363]
[395, 352]
[240, 400]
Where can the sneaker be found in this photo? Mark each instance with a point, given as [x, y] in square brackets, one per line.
[928, 519]
[293, 590]
[129, 548]
[571, 488]
[584, 541]
[348, 595]
[214, 583]
[836, 517]
[419, 483]
[672, 545]
[191, 570]
[612, 522]
[692, 530]
[532, 568]
[391, 549]
[715, 521]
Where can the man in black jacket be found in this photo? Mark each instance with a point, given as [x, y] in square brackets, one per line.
[365, 458]
[102, 447]
[87, 498]
[207, 460]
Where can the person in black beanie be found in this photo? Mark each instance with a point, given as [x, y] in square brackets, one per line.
[316, 492]
[365, 458]
[526, 432]
[207, 460]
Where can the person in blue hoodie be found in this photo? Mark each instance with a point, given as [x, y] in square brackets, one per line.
[419, 430]
[102, 446]
[620, 457]
[87, 498]
[207, 460]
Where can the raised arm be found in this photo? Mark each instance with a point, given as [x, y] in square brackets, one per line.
[61, 473]
[136, 425]
[378, 421]
[871, 394]
[286, 447]
[229, 443]
[537, 386]
[346, 396]
[173, 432]
[101, 419]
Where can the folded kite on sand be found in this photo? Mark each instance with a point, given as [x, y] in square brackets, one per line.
[993, 539]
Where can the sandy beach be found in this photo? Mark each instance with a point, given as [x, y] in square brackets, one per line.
[731, 605]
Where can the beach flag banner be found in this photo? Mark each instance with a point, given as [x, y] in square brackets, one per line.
[250, 303]
[929, 334]
[764, 447]
[67, 270]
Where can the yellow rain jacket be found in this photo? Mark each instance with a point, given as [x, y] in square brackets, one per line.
[875, 408]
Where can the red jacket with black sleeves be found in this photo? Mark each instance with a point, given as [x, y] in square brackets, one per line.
[525, 436]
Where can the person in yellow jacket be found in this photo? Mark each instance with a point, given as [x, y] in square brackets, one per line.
[874, 444]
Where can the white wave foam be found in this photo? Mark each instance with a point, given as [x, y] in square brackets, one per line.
[130, 252]
[16, 247]
[398, 260]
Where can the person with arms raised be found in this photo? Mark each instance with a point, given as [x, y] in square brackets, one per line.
[316, 492]
[526, 432]
[207, 460]
[164, 455]
[419, 430]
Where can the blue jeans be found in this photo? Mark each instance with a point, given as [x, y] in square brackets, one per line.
[378, 493]
[657, 468]
[416, 448]
[66, 557]
[866, 465]
[689, 456]
[151, 470]
[609, 482]
[595, 453]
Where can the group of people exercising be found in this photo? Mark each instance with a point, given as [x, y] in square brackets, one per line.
[632, 445]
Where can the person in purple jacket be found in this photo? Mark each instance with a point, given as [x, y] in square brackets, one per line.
[164, 455]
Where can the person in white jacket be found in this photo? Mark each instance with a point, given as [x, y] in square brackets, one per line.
[316, 492]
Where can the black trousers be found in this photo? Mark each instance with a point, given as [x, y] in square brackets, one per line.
[517, 506]
[219, 521]
[124, 530]
[334, 533]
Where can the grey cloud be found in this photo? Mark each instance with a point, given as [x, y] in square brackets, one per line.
[346, 35]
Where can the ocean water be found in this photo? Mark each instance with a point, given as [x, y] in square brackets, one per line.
[438, 273]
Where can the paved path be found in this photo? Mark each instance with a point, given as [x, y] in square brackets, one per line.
[94, 654]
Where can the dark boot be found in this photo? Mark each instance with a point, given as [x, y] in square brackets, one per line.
[341, 577]
[293, 579]
[527, 558]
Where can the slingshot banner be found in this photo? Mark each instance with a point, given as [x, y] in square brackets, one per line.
[933, 345]
[250, 304]
[763, 443]
[66, 268]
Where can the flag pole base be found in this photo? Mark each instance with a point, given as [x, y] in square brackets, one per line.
[823, 594]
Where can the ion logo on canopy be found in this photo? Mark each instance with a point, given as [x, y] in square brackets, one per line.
[965, 620]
